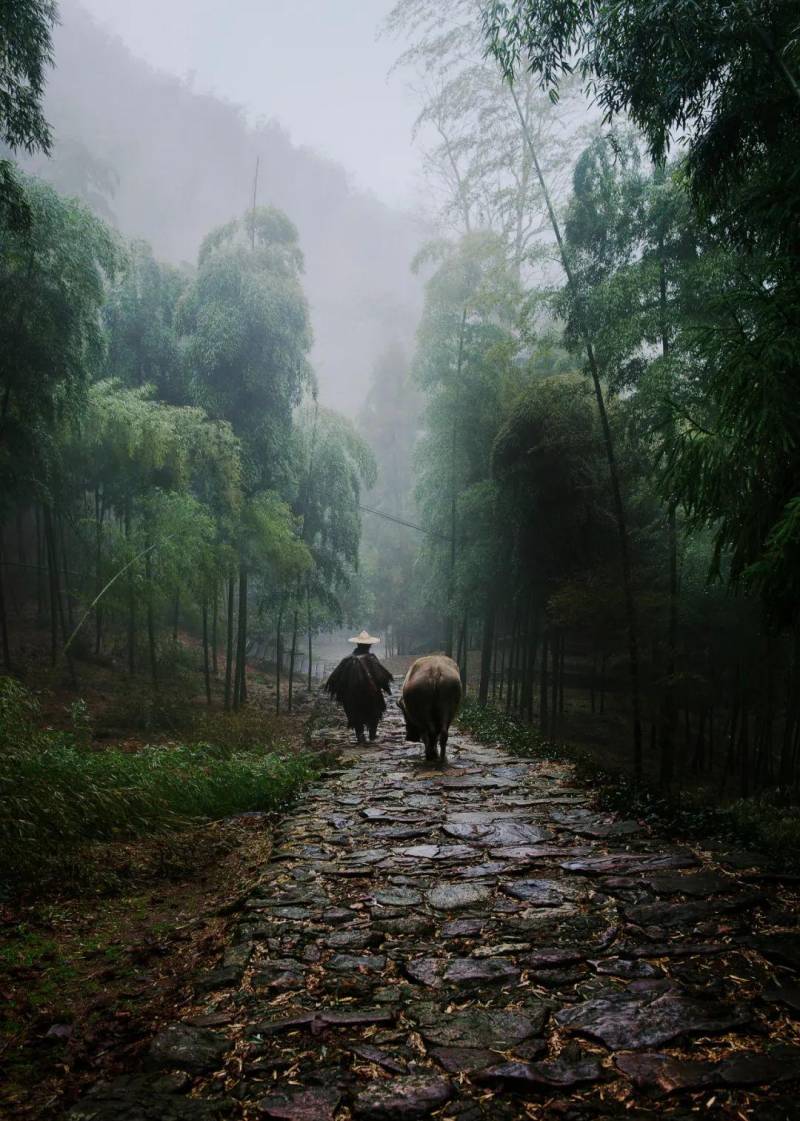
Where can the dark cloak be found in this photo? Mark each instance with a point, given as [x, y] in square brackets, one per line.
[358, 684]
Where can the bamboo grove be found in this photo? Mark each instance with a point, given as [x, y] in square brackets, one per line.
[166, 468]
[607, 438]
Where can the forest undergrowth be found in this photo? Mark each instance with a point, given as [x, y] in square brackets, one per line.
[124, 845]
[767, 825]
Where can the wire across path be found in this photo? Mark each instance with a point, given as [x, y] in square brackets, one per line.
[481, 942]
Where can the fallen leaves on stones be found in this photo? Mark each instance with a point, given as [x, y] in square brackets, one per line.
[534, 853]
[498, 834]
[405, 924]
[462, 928]
[466, 1060]
[351, 939]
[636, 1020]
[349, 963]
[453, 896]
[686, 914]
[365, 856]
[483, 1028]
[401, 832]
[656, 1071]
[589, 825]
[499, 950]
[492, 971]
[320, 1019]
[783, 994]
[422, 852]
[398, 897]
[374, 1055]
[564, 1072]
[782, 947]
[629, 969]
[628, 863]
[549, 957]
[539, 893]
[665, 1072]
[315, 1104]
[185, 1047]
[694, 883]
[425, 971]
[399, 1099]
[478, 782]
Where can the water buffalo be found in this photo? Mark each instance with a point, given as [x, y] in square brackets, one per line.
[429, 701]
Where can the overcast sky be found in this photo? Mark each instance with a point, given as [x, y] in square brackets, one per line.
[315, 65]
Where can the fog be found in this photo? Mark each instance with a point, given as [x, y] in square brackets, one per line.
[160, 112]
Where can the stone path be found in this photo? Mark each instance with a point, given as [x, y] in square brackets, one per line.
[482, 943]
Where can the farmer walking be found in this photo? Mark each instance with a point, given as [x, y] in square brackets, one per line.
[358, 684]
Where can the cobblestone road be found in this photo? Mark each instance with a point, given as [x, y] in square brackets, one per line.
[482, 943]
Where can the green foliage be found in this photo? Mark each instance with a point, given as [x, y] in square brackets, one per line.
[25, 53]
[140, 315]
[245, 319]
[53, 277]
[476, 158]
[491, 725]
[334, 464]
[723, 76]
[56, 795]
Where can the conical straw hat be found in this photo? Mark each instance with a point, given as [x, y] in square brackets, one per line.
[363, 639]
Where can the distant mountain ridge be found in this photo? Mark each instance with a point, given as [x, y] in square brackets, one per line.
[167, 164]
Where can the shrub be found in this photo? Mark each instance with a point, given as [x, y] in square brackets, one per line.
[55, 795]
[769, 824]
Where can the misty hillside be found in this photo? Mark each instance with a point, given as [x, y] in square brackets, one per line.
[168, 164]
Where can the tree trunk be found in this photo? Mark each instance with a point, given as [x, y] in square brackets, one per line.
[292, 656]
[3, 617]
[561, 662]
[52, 590]
[131, 596]
[99, 513]
[555, 643]
[537, 627]
[206, 668]
[619, 506]
[214, 614]
[151, 629]
[511, 660]
[495, 656]
[239, 683]
[41, 591]
[65, 572]
[792, 711]
[310, 643]
[525, 647]
[543, 714]
[278, 659]
[229, 645]
[487, 649]
[503, 644]
[450, 633]
[744, 754]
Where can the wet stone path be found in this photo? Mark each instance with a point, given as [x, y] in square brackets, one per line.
[481, 942]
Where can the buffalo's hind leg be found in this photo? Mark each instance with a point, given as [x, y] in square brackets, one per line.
[429, 739]
[443, 748]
